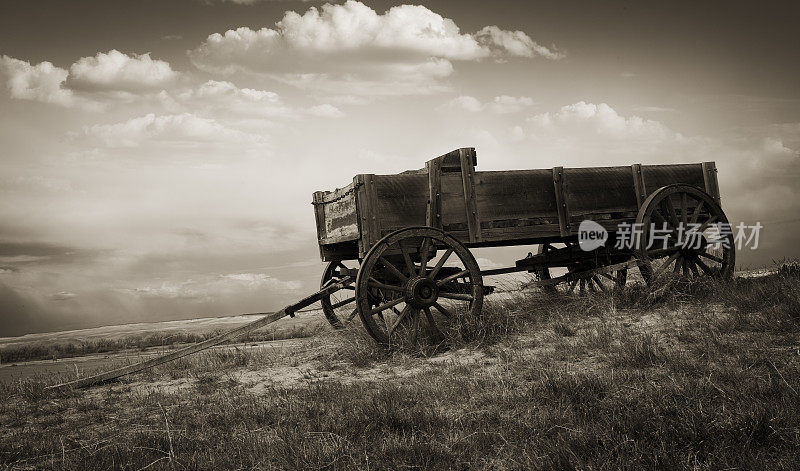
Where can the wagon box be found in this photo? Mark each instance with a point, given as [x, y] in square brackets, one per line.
[491, 208]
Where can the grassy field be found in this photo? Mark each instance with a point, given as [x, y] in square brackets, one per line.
[704, 376]
[88, 342]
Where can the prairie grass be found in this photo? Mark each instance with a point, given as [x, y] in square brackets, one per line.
[702, 376]
[141, 342]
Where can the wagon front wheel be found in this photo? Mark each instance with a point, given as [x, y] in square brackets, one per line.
[339, 308]
[414, 283]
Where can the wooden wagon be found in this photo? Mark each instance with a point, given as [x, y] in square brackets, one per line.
[403, 240]
[400, 243]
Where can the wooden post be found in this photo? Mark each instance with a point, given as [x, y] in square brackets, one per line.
[468, 179]
[433, 217]
[710, 180]
[366, 204]
[638, 184]
[319, 214]
[561, 201]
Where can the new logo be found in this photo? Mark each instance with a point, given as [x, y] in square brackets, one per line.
[591, 235]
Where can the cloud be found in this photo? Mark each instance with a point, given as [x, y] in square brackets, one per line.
[41, 82]
[208, 288]
[91, 83]
[218, 98]
[179, 129]
[352, 49]
[514, 43]
[600, 120]
[502, 104]
[115, 71]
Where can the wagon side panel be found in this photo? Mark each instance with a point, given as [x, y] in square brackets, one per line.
[519, 204]
[606, 195]
[337, 222]
[400, 201]
[656, 176]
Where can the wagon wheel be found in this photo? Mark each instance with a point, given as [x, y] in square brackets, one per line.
[588, 284]
[665, 216]
[423, 289]
[345, 302]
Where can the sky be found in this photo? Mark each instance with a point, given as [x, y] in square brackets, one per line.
[157, 159]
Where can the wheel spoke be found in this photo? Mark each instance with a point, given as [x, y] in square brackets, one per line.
[399, 319]
[452, 277]
[343, 302]
[392, 269]
[384, 286]
[572, 286]
[693, 267]
[657, 212]
[697, 210]
[352, 315]
[677, 267]
[415, 328]
[684, 219]
[590, 285]
[598, 283]
[670, 208]
[445, 312]
[708, 271]
[432, 327]
[407, 258]
[606, 275]
[711, 257]
[423, 262]
[441, 261]
[461, 296]
[387, 305]
[666, 264]
[705, 225]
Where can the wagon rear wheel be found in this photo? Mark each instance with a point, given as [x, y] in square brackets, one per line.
[684, 232]
[339, 308]
[582, 284]
[426, 279]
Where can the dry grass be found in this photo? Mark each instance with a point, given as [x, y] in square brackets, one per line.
[697, 377]
[141, 342]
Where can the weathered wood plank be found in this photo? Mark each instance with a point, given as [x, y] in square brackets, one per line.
[470, 206]
[710, 182]
[367, 212]
[561, 201]
[434, 214]
[639, 187]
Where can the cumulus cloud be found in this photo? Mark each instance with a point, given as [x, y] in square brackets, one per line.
[597, 119]
[223, 98]
[179, 129]
[91, 82]
[514, 43]
[353, 49]
[502, 104]
[41, 82]
[116, 71]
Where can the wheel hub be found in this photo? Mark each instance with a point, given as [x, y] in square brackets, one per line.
[421, 292]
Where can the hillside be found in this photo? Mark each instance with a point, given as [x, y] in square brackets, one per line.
[704, 376]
